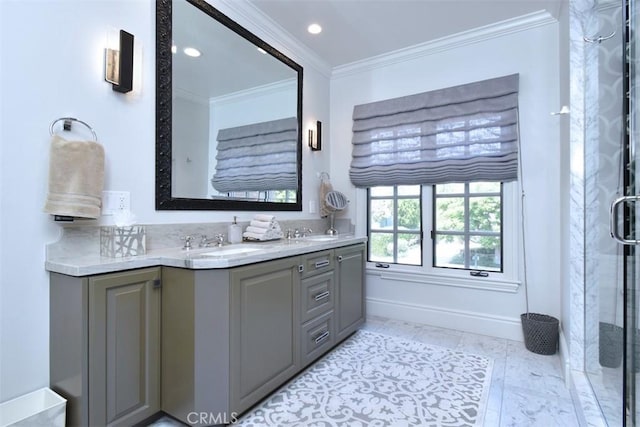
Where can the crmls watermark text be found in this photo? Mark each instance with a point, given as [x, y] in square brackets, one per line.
[212, 418]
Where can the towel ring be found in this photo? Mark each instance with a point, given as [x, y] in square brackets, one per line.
[67, 125]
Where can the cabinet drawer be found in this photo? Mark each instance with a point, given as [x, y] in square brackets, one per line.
[316, 338]
[317, 295]
[317, 262]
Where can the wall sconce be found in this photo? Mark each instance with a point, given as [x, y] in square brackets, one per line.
[316, 143]
[119, 64]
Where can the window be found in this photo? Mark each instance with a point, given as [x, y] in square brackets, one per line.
[467, 226]
[395, 224]
[467, 231]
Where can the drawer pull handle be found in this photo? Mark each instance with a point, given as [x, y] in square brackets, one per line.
[321, 295]
[323, 336]
[321, 264]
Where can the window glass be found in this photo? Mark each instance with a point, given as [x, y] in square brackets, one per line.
[395, 224]
[467, 226]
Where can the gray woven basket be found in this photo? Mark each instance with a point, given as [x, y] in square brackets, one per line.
[540, 333]
[610, 345]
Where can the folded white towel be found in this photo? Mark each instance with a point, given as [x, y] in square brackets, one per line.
[274, 232]
[263, 217]
[270, 235]
[257, 230]
[261, 224]
[76, 178]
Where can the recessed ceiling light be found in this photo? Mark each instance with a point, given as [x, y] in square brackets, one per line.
[192, 51]
[262, 51]
[314, 28]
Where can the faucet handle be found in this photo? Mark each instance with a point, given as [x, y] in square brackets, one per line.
[187, 241]
[306, 231]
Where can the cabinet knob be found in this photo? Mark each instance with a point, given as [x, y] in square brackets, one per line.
[339, 257]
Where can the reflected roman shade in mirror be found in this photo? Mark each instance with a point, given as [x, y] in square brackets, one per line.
[257, 157]
[458, 134]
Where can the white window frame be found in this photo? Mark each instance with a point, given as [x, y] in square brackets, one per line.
[506, 281]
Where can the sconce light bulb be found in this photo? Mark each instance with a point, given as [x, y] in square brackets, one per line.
[192, 52]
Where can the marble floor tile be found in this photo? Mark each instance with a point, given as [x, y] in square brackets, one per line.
[523, 407]
[527, 389]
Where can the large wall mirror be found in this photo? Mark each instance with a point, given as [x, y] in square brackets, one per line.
[228, 115]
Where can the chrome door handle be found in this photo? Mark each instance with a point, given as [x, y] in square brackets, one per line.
[613, 220]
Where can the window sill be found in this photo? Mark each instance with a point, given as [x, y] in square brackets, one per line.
[488, 284]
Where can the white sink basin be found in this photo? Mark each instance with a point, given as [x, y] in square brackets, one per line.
[238, 250]
[321, 238]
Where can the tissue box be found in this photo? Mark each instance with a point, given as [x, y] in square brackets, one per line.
[122, 241]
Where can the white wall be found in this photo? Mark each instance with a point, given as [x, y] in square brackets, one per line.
[533, 53]
[190, 147]
[52, 58]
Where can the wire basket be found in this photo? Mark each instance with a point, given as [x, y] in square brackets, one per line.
[540, 333]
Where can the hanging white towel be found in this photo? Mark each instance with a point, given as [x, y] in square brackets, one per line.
[76, 178]
[325, 187]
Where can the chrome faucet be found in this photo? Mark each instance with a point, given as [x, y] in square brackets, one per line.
[218, 239]
[187, 242]
[306, 231]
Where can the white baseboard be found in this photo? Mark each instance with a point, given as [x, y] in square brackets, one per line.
[468, 321]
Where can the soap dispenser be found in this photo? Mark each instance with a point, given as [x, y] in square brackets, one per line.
[235, 232]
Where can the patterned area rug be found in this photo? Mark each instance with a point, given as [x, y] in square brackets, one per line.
[379, 380]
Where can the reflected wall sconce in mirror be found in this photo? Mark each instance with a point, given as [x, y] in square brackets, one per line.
[316, 143]
[119, 63]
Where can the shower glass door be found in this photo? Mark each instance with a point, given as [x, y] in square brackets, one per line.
[630, 218]
[612, 337]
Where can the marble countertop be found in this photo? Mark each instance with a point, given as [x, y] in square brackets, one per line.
[230, 255]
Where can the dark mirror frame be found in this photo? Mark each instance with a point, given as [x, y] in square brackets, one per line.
[164, 199]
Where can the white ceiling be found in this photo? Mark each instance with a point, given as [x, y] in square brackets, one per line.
[358, 29]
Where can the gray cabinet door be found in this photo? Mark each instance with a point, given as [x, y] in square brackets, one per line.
[350, 288]
[264, 329]
[124, 347]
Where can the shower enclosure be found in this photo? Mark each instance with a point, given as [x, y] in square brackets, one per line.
[612, 204]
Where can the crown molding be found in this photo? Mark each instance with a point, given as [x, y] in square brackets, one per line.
[499, 29]
[249, 16]
[251, 93]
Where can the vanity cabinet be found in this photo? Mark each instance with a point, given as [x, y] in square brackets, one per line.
[264, 334]
[105, 346]
[316, 306]
[350, 312]
[232, 336]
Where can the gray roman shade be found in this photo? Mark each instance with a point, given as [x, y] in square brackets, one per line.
[257, 157]
[458, 134]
